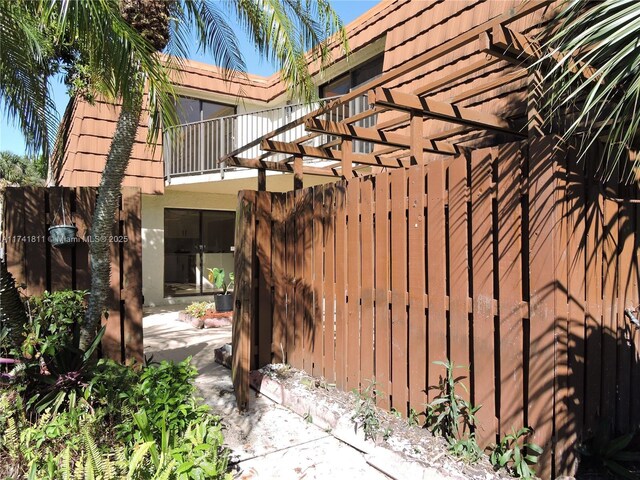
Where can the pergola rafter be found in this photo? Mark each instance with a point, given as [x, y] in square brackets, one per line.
[330, 143]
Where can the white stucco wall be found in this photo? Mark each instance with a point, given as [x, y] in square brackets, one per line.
[153, 237]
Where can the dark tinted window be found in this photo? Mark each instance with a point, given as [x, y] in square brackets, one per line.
[191, 110]
[368, 71]
[357, 76]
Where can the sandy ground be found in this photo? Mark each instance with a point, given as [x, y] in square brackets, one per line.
[267, 441]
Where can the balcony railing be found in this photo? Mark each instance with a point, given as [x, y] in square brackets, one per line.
[195, 148]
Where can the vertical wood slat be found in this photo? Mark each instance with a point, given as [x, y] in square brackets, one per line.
[35, 252]
[290, 278]
[341, 284]
[329, 283]
[561, 305]
[593, 285]
[609, 306]
[318, 282]
[627, 298]
[418, 365]
[61, 265]
[382, 325]
[132, 268]
[436, 276]
[398, 257]
[297, 357]
[15, 229]
[243, 314]
[308, 321]
[633, 298]
[459, 265]
[576, 277]
[542, 161]
[482, 268]
[85, 200]
[368, 293]
[263, 256]
[112, 340]
[354, 246]
[510, 281]
[279, 337]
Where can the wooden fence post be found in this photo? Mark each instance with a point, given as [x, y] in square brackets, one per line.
[244, 301]
[543, 282]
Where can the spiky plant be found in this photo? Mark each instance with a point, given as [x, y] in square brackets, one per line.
[591, 71]
[13, 316]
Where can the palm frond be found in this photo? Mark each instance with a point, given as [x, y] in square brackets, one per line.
[283, 32]
[26, 53]
[593, 78]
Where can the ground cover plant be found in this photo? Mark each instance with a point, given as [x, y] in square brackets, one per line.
[64, 413]
[200, 309]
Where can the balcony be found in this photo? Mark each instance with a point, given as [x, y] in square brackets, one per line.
[195, 148]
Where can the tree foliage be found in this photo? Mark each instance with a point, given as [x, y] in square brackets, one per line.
[21, 170]
[592, 76]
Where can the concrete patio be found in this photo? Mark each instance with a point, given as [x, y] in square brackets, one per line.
[267, 441]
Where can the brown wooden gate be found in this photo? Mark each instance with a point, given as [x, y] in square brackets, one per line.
[34, 263]
[512, 261]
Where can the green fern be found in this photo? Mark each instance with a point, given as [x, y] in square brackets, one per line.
[65, 465]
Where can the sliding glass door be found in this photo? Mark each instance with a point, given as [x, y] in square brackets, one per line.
[194, 242]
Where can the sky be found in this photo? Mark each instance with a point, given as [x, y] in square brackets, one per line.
[11, 139]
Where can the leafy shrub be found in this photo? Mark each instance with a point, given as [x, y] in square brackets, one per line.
[59, 380]
[516, 457]
[199, 309]
[12, 313]
[126, 424]
[451, 416]
[366, 415]
[613, 455]
[54, 322]
[165, 392]
[217, 277]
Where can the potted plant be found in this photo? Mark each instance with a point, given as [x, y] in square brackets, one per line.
[224, 300]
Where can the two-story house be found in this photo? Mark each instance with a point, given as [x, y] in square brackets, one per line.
[189, 196]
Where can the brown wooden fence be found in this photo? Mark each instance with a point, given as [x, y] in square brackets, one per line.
[29, 211]
[512, 261]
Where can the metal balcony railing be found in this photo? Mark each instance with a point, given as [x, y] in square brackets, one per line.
[195, 148]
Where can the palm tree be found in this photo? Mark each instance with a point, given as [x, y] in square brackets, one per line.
[109, 48]
[592, 61]
[282, 30]
[25, 67]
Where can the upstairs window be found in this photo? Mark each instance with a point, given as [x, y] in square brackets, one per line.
[191, 110]
[353, 78]
[342, 85]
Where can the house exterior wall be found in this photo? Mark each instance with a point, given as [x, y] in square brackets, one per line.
[153, 207]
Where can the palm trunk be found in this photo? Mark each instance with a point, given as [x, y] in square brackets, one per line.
[104, 215]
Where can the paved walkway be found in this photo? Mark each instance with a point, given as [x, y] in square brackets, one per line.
[267, 441]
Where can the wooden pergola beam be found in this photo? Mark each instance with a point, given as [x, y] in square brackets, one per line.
[443, 111]
[503, 79]
[328, 154]
[437, 52]
[430, 87]
[276, 166]
[306, 138]
[512, 45]
[377, 136]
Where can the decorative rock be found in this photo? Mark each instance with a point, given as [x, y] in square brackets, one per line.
[196, 322]
[223, 355]
[217, 322]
